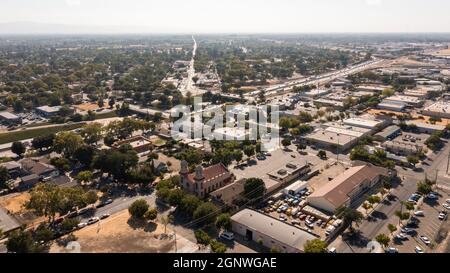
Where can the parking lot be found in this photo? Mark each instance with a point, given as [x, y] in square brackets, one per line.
[277, 159]
[428, 225]
[292, 210]
[412, 138]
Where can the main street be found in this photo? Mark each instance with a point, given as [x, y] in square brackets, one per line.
[188, 84]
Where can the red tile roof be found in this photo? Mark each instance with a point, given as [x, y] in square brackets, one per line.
[211, 172]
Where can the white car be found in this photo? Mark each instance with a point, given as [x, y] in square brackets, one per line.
[93, 220]
[402, 236]
[425, 240]
[227, 235]
[332, 250]
[81, 225]
[392, 250]
[447, 206]
[432, 196]
[418, 250]
[441, 216]
[419, 213]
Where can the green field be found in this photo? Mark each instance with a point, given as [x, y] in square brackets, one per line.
[111, 114]
[32, 133]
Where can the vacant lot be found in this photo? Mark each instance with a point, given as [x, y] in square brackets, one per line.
[120, 234]
[87, 107]
[14, 202]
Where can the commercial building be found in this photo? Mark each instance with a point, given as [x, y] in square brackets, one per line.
[204, 181]
[388, 133]
[230, 193]
[48, 111]
[10, 118]
[339, 135]
[139, 143]
[402, 148]
[331, 103]
[392, 106]
[426, 128]
[235, 133]
[408, 100]
[366, 122]
[440, 109]
[346, 188]
[372, 88]
[315, 93]
[270, 232]
[289, 172]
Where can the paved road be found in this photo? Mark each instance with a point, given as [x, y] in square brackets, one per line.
[119, 204]
[324, 78]
[385, 213]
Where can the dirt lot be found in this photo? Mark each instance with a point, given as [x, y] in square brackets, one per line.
[120, 234]
[176, 164]
[14, 202]
[87, 107]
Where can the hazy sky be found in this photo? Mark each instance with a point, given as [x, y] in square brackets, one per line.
[199, 16]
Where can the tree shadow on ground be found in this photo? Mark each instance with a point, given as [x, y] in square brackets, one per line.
[142, 224]
[355, 238]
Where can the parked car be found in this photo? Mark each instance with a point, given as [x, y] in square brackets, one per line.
[419, 213]
[392, 250]
[93, 220]
[406, 230]
[104, 216]
[227, 235]
[442, 216]
[401, 236]
[448, 201]
[332, 250]
[432, 196]
[417, 249]
[447, 206]
[425, 239]
[81, 225]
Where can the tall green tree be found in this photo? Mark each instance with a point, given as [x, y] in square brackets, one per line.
[315, 246]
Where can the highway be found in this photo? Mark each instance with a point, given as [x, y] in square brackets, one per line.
[316, 80]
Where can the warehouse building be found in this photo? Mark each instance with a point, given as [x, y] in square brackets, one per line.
[439, 109]
[347, 188]
[269, 231]
[10, 118]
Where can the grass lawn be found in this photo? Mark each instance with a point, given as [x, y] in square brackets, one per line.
[111, 114]
[158, 142]
[32, 133]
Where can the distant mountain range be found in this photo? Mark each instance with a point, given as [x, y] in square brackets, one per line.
[32, 28]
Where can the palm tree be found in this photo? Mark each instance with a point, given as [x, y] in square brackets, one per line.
[366, 206]
[165, 220]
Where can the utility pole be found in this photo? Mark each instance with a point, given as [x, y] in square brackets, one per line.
[448, 162]
[175, 234]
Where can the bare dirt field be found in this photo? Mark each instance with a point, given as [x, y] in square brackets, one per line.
[14, 202]
[87, 107]
[120, 234]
